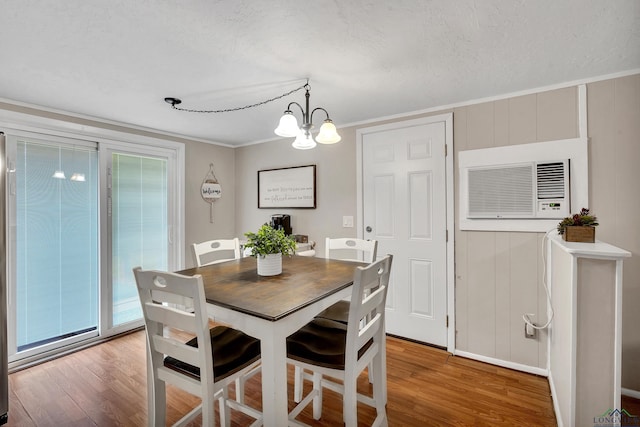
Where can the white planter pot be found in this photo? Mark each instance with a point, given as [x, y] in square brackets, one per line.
[269, 265]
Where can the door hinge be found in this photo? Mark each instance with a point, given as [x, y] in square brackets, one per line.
[446, 236]
[446, 151]
[447, 320]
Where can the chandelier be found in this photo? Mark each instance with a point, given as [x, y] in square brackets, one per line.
[288, 126]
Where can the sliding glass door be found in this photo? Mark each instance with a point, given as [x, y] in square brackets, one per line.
[81, 216]
[55, 234]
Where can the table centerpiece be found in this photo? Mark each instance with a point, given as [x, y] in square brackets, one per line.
[267, 246]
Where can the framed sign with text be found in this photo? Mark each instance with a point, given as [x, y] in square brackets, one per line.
[293, 187]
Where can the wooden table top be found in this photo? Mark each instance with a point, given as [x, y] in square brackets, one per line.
[304, 280]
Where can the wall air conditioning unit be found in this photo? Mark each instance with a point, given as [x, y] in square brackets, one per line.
[522, 187]
[531, 190]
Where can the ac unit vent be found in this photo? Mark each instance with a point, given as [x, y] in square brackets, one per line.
[501, 191]
[551, 180]
[519, 190]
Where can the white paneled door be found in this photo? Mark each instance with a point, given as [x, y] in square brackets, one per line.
[405, 209]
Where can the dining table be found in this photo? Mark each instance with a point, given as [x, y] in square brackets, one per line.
[270, 308]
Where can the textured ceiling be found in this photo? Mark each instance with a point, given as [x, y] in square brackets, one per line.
[118, 59]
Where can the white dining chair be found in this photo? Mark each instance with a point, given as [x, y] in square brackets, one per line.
[334, 350]
[358, 250]
[211, 247]
[206, 250]
[365, 250]
[203, 366]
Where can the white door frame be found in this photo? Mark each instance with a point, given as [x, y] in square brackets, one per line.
[448, 121]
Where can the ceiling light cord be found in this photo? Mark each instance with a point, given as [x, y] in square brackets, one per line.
[288, 125]
[176, 101]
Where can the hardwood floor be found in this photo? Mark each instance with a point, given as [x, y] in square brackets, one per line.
[105, 385]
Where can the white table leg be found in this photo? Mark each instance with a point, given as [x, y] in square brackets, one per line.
[274, 381]
[273, 345]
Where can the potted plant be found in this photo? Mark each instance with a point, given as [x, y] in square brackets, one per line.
[268, 245]
[579, 227]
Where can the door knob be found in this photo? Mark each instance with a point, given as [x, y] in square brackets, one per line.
[369, 229]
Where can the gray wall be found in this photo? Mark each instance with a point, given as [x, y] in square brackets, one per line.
[335, 187]
[498, 274]
[198, 228]
[614, 172]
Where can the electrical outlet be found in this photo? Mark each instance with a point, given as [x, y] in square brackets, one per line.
[347, 221]
[529, 330]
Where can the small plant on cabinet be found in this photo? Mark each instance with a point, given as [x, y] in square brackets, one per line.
[579, 227]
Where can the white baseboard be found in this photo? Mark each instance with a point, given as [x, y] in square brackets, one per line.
[504, 363]
[631, 393]
[556, 404]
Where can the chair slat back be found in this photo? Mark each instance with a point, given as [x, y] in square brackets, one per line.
[168, 347]
[368, 312]
[366, 249]
[200, 250]
[172, 317]
[157, 291]
[368, 299]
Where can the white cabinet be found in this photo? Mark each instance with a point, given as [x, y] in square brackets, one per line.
[585, 348]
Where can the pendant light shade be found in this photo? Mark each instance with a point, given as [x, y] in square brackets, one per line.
[328, 133]
[288, 126]
[303, 142]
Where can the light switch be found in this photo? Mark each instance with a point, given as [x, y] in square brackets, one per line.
[347, 221]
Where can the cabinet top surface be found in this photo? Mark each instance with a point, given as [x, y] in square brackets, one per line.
[590, 250]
